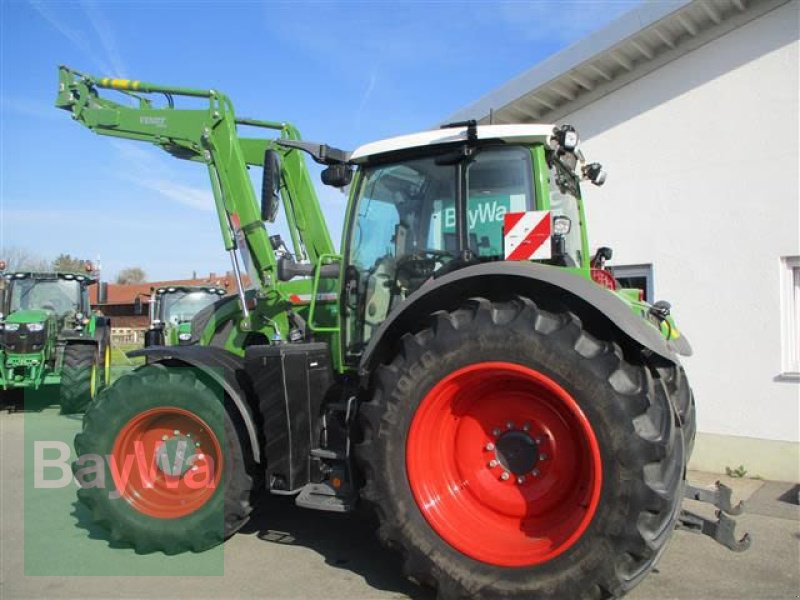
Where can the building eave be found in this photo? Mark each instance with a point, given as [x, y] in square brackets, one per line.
[640, 41]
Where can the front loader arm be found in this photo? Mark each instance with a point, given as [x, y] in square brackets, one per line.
[209, 136]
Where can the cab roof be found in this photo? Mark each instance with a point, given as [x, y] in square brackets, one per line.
[45, 275]
[519, 133]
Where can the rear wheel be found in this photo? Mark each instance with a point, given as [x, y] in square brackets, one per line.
[510, 454]
[188, 486]
[78, 377]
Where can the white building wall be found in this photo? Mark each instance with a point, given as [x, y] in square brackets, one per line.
[703, 180]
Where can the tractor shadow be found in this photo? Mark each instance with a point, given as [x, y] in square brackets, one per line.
[22, 401]
[346, 541]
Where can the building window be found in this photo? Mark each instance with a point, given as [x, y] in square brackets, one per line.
[790, 315]
[636, 276]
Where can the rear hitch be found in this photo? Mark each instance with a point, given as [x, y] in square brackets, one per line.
[723, 529]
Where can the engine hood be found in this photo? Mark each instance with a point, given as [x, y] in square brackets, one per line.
[34, 315]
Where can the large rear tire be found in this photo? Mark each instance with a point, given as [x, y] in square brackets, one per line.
[153, 412]
[78, 377]
[511, 454]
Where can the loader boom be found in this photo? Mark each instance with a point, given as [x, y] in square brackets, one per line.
[210, 136]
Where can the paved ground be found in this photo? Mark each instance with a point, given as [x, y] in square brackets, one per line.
[294, 553]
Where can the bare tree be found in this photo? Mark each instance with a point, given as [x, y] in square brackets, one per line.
[18, 258]
[67, 262]
[131, 275]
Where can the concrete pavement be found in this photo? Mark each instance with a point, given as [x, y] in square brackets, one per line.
[286, 552]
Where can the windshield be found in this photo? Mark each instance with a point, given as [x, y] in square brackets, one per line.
[564, 196]
[181, 306]
[405, 228]
[56, 295]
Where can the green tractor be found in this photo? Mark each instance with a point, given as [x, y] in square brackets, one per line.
[465, 367]
[172, 309]
[48, 336]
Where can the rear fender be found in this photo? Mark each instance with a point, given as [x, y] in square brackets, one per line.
[602, 311]
[225, 369]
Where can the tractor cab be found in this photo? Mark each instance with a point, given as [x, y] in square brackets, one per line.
[34, 302]
[172, 310]
[430, 203]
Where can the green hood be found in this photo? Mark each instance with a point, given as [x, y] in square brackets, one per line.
[34, 315]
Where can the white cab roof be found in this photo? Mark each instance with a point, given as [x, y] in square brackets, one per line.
[524, 134]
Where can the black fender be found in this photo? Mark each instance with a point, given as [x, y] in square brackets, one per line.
[224, 368]
[546, 285]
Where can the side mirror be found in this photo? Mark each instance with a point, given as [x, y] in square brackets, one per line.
[271, 186]
[337, 175]
[138, 309]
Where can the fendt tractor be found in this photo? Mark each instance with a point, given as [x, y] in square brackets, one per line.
[49, 336]
[464, 367]
[172, 310]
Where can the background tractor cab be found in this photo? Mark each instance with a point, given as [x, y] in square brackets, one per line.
[172, 310]
[49, 336]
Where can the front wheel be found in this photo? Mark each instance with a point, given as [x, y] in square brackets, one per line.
[511, 454]
[187, 485]
[78, 377]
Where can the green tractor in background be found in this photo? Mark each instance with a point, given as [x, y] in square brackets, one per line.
[172, 309]
[48, 336]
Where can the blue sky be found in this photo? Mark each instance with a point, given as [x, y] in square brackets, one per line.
[344, 72]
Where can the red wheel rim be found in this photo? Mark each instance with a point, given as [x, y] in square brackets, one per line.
[166, 462]
[503, 464]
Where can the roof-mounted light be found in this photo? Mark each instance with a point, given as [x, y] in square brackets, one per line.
[566, 137]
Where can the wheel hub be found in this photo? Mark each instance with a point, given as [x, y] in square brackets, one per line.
[517, 452]
[178, 454]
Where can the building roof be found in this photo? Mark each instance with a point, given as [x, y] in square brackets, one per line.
[126, 293]
[517, 133]
[640, 41]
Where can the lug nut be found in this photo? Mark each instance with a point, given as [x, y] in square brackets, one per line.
[504, 476]
[492, 464]
[521, 479]
[495, 432]
[489, 447]
[537, 439]
[164, 438]
[176, 432]
[509, 424]
[526, 427]
[535, 472]
[543, 457]
[197, 444]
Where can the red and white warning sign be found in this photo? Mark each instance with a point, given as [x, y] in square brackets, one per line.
[526, 235]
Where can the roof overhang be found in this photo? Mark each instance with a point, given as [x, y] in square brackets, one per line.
[640, 41]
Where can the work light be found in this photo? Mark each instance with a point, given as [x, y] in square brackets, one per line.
[561, 225]
[34, 327]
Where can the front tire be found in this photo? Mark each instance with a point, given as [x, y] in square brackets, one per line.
[511, 454]
[78, 377]
[154, 412]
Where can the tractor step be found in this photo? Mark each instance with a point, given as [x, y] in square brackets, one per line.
[723, 529]
[322, 496]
